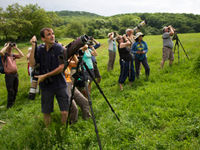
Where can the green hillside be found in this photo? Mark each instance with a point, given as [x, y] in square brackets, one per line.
[161, 113]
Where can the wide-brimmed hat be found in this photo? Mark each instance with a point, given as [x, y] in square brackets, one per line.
[138, 35]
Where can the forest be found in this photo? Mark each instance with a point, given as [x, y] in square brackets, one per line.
[19, 23]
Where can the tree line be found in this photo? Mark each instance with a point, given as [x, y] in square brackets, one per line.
[19, 23]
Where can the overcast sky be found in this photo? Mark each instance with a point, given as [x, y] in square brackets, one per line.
[112, 7]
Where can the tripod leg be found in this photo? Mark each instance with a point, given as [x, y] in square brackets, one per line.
[88, 70]
[93, 117]
[183, 49]
[178, 53]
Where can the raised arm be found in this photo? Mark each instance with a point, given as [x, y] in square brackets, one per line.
[94, 52]
[97, 44]
[126, 43]
[19, 51]
[171, 32]
[3, 50]
[32, 54]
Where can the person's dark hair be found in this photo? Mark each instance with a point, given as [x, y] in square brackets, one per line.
[43, 30]
[137, 39]
[118, 38]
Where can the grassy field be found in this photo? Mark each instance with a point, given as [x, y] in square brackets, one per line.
[161, 113]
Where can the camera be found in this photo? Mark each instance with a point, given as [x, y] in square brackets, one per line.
[32, 91]
[12, 44]
[141, 24]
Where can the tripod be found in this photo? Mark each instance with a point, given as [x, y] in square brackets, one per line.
[76, 76]
[177, 44]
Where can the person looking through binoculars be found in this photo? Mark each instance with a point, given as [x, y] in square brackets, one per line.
[51, 79]
[87, 58]
[112, 50]
[126, 61]
[139, 49]
[92, 43]
[167, 45]
[10, 69]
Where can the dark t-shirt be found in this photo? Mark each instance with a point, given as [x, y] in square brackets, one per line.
[124, 53]
[50, 60]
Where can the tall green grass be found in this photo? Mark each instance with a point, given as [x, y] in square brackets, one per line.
[161, 113]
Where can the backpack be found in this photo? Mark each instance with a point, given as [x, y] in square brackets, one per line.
[1, 66]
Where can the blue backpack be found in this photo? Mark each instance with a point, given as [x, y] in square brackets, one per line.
[1, 66]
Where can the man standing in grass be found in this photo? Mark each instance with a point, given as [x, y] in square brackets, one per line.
[51, 79]
[167, 46]
[10, 69]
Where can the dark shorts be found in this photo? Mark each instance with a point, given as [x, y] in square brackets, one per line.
[87, 75]
[47, 100]
[96, 70]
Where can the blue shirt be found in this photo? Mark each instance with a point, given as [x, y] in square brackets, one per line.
[137, 46]
[50, 60]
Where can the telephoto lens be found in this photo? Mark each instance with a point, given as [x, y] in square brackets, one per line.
[33, 88]
[73, 47]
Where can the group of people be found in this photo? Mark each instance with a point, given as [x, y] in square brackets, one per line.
[54, 81]
[132, 48]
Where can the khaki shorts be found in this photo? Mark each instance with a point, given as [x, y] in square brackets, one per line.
[168, 54]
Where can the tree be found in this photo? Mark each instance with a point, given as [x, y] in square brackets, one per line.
[74, 29]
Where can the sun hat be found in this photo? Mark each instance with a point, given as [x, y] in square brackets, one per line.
[138, 35]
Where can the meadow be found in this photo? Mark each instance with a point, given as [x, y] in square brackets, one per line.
[160, 113]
